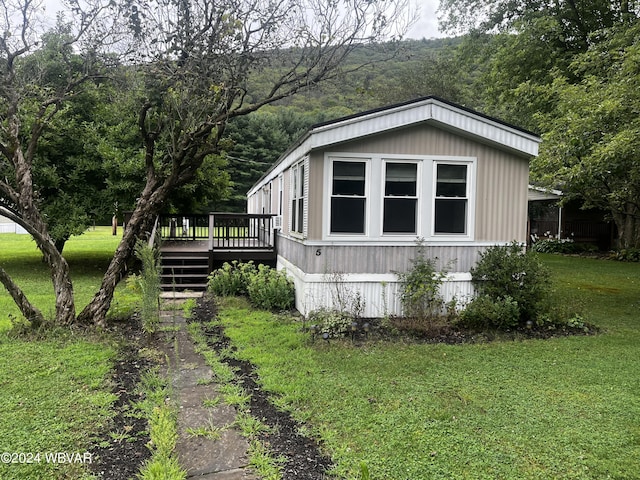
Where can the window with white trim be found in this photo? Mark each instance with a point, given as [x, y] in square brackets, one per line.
[297, 198]
[348, 197]
[451, 202]
[280, 193]
[400, 206]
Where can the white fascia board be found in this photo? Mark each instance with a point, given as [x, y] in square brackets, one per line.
[428, 110]
[540, 193]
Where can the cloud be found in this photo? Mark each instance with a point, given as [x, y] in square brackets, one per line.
[427, 24]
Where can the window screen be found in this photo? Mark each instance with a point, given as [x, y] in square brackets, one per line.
[348, 201]
[451, 199]
[400, 198]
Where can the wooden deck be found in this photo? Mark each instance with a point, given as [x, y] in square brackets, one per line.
[192, 246]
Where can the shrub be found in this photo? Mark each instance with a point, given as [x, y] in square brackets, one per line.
[271, 289]
[420, 289]
[231, 279]
[512, 272]
[626, 255]
[333, 322]
[266, 287]
[486, 312]
[564, 246]
[149, 283]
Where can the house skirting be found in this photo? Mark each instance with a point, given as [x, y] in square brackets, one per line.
[373, 295]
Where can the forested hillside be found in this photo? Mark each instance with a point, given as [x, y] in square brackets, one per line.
[417, 68]
[566, 70]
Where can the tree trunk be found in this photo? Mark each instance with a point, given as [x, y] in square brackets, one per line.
[32, 220]
[628, 224]
[30, 312]
[141, 221]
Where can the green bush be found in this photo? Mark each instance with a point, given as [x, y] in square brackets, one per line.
[149, 283]
[271, 289]
[231, 279]
[512, 272]
[486, 312]
[420, 289]
[564, 246]
[266, 287]
[626, 255]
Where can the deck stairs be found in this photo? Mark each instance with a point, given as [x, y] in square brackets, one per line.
[183, 270]
[192, 244]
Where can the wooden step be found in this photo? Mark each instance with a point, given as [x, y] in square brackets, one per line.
[198, 287]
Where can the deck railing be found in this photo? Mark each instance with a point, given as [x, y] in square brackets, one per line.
[241, 231]
[223, 231]
[184, 227]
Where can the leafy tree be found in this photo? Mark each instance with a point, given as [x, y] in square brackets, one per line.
[568, 69]
[592, 144]
[516, 46]
[190, 66]
[426, 71]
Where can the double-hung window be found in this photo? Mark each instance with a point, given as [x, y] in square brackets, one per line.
[297, 198]
[348, 197]
[451, 199]
[400, 198]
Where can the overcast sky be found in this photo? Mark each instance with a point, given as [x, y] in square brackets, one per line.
[425, 27]
[427, 24]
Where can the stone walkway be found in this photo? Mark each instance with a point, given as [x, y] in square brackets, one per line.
[221, 458]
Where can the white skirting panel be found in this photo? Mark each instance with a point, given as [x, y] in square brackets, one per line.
[373, 295]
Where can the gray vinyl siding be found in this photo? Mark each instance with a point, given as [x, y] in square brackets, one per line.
[373, 259]
[501, 190]
[316, 195]
[501, 196]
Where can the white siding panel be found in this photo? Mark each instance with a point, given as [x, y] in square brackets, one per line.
[380, 293]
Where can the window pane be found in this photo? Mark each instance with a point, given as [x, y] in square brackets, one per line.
[347, 215]
[451, 216]
[400, 179]
[294, 209]
[301, 180]
[348, 178]
[451, 181]
[399, 215]
[300, 215]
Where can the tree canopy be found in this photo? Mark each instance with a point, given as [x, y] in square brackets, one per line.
[188, 67]
[569, 70]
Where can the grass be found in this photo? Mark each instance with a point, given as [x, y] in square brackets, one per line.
[53, 398]
[54, 394]
[565, 408]
[88, 256]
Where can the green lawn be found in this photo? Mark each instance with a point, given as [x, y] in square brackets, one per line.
[54, 394]
[88, 256]
[566, 408]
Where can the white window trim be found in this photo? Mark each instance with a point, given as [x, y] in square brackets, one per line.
[471, 200]
[305, 197]
[374, 209]
[419, 196]
[280, 210]
[328, 182]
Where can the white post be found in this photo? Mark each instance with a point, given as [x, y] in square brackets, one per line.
[211, 224]
[559, 223]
